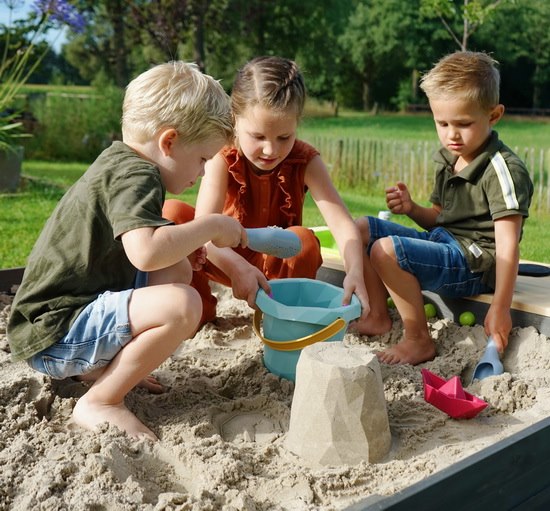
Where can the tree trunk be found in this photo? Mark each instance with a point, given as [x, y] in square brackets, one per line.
[116, 13]
[366, 95]
[198, 43]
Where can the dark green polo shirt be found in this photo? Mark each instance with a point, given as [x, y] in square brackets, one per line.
[78, 254]
[495, 185]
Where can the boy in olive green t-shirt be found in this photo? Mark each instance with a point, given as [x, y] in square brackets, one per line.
[471, 233]
[105, 296]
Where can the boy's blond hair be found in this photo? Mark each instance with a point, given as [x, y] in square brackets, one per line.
[464, 75]
[176, 95]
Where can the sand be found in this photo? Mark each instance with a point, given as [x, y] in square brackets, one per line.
[222, 427]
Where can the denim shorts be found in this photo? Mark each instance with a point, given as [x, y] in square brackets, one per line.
[434, 257]
[99, 332]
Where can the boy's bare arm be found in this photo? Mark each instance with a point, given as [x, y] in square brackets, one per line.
[498, 321]
[399, 202]
[151, 249]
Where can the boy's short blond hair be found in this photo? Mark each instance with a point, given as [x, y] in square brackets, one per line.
[176, 95]
[464, 75]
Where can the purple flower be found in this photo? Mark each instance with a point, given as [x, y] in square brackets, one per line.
[61, 13]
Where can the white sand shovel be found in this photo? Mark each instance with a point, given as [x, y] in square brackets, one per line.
[274, 241]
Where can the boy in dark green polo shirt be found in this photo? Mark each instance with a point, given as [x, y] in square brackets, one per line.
[471, 233]
[105, 296]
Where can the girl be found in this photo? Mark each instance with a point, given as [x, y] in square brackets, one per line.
[261, 180]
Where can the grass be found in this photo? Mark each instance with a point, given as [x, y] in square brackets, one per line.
[514, 131]
[23, 214]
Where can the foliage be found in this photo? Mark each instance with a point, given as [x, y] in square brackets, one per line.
[22, 52]
[358, 53]
[468, 14]
[75, 126]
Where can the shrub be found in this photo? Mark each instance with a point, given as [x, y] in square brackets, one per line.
[74, 127]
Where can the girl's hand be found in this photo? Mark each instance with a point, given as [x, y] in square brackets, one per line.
[245, 284]
[356, 285]
[198, 258]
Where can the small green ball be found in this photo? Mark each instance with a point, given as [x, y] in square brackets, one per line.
[430, 310]
[467, 318]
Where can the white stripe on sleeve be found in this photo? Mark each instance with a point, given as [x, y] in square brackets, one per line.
[506, 182]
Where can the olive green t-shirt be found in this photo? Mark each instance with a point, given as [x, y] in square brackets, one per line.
[79, 254]
[495, 185]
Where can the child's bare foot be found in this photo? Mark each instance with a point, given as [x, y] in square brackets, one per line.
[371, 326]
[408, 352]
[149, 383]
[89, 414]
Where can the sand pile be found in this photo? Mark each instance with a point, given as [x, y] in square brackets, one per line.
[223, 423]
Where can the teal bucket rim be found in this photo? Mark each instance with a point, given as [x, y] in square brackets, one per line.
[308, 313]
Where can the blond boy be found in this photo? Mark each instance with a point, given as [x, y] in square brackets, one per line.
[470, 238]
[105, 296]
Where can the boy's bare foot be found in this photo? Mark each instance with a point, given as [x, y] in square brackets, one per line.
[371, 326]
[89, 414]
[149, 383]
[408, 352]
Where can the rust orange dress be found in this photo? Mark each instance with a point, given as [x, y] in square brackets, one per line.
[259, 200]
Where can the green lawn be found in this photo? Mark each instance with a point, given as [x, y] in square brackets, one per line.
[23, 214]
[523, 132]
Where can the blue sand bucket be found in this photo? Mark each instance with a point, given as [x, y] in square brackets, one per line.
[299, 313]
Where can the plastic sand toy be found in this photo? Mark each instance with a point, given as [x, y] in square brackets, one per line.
[449, 396]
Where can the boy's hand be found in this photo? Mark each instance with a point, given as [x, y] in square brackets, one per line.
[230, 233]
[498, 324]
[398, 199]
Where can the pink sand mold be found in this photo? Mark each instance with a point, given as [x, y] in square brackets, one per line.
[274, 241]
[450, 397]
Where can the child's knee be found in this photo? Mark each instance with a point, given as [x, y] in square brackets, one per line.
[177, 211]
[362, 224]
[307, 238]
[187, 308]
[382, 252]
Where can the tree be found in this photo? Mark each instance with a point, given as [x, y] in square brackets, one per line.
[470, 14]
[524, 54]
[373, 40]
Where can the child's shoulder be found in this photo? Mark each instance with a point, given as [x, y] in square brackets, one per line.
[302, 149]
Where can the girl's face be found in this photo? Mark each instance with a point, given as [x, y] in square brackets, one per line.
[266, 137]
[462, 126]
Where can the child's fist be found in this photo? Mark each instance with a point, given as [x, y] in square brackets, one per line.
[230, 233]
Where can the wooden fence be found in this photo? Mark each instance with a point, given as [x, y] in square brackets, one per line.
[376, 164]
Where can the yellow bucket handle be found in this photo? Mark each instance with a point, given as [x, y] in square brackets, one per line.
[297, 344]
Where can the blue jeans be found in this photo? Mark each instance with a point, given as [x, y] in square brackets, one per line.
[99, 332]
[434, 257]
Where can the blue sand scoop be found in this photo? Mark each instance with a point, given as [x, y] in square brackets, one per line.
[274, 241]
[489, 364]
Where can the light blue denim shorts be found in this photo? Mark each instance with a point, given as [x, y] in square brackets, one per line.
[99, 332]
[434, 257]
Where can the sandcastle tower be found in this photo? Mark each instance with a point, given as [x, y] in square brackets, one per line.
[338, 413]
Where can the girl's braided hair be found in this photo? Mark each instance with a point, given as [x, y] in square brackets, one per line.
[272, 82]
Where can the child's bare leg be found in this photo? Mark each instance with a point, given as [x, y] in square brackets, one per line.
[149, 383]
[378, 320]
[161, 317]
[417, 346]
